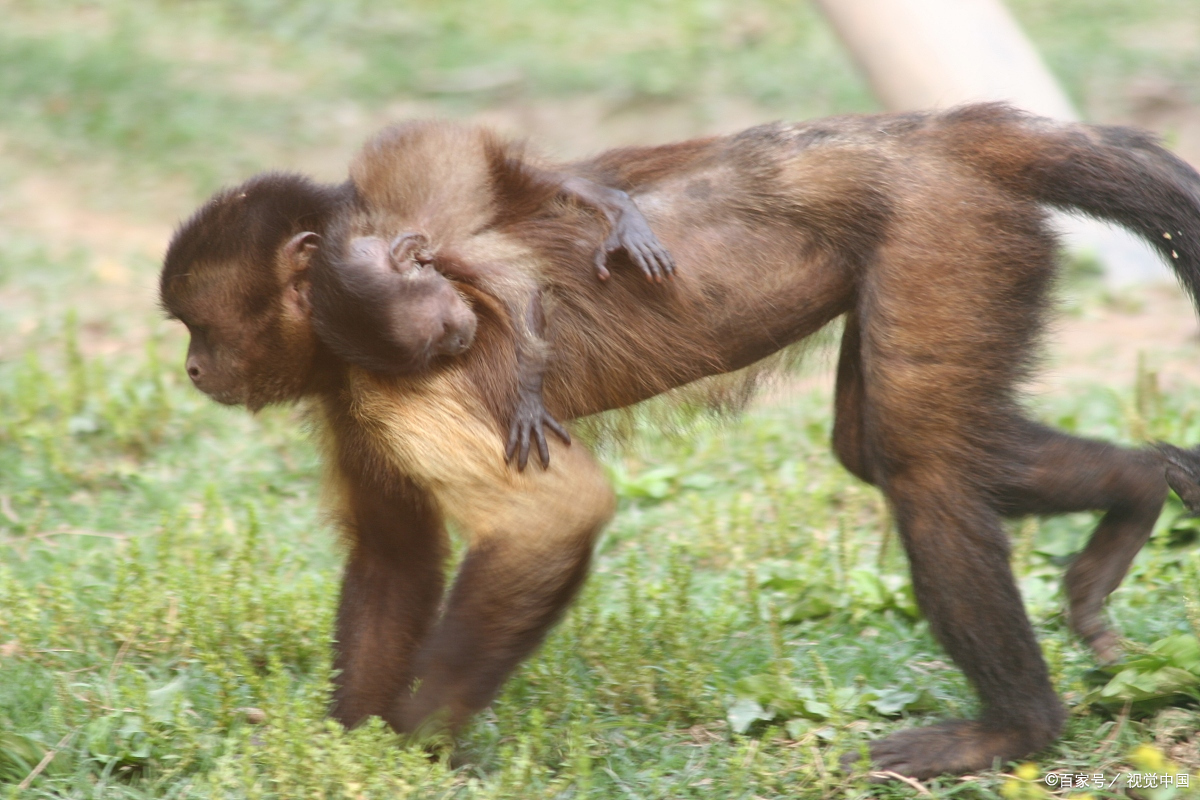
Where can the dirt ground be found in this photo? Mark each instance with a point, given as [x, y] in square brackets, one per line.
[1102, 343]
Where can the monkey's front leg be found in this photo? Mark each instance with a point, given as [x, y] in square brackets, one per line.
[506, 597]
[531, 535]
[528, 557]
[390, 591]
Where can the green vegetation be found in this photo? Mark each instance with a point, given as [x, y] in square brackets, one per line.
[1098, 48]
[167, 580]
[166, 570]
[205, 87]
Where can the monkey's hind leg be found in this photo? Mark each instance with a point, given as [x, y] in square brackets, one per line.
[946, 319]
[1054, 473]
[1045, 472]
[959, 557]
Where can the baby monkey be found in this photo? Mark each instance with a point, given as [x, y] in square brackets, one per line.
[397, 305]
[384, 307]
[391, 307]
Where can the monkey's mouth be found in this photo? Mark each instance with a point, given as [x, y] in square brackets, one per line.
[226, 397]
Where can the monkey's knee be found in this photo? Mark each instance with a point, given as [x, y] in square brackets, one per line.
[849, 436]
[509, 592]
[849, 448]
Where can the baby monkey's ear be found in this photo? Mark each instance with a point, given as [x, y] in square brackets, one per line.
[411, 246]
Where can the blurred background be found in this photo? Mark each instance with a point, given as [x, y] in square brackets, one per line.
[163, 563]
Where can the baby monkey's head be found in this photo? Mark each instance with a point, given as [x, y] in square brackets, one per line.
[384, 305]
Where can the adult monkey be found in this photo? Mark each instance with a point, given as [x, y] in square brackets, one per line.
[926, 230]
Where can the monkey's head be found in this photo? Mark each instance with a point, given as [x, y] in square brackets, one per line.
[236, 274]
[385, 306]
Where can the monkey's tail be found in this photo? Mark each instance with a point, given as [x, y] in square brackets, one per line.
[1116, 174]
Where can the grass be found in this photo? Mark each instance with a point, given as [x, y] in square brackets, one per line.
[1099, 48]
[167, 580]
[166, 569]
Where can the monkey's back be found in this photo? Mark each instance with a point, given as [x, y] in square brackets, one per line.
[770, 230]
[778, 230]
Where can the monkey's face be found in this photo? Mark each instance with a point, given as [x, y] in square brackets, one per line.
[217, 366]
[240, 352]
[428, 318]
[410, 308]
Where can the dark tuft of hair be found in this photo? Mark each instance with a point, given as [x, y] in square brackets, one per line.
[248, 223]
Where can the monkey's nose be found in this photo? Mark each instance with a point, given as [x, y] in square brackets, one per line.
[455, 343]
[193, 370]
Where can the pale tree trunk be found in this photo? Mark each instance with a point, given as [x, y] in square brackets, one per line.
[920, 54]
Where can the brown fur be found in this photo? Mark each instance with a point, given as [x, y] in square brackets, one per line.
[926, 230]
[443, 191]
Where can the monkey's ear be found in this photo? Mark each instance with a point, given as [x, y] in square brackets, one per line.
[298, 250]
[294, 257]
[297, 295]
[411, 245]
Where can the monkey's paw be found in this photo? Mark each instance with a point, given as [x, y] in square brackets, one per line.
[955, 747]
[529, 422]
[630, 232]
